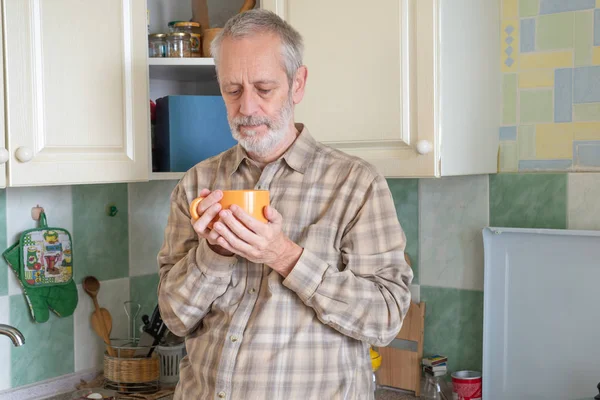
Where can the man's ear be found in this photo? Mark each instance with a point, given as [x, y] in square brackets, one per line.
[299, 84]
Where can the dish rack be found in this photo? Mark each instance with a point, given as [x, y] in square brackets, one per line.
[169, 357]
[128, 374]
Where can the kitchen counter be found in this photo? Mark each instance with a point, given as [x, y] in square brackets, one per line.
[380, 394]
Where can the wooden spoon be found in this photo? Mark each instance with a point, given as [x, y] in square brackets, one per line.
[101, 319]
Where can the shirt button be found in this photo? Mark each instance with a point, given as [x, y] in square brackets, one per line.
[234, 338]
[252, 291]
[221, 395]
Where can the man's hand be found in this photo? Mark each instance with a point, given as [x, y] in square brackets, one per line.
[256, 241]
[207, 210]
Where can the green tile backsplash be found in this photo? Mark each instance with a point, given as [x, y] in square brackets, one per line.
[3, 245]
[528, 200]
[406, 199]
[100, 241]
[454, 326]
[454, 316]
[49, 347]
[143, 290]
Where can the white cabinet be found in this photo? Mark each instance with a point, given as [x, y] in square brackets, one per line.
[4, 154]
[76, 91]
[412, 86]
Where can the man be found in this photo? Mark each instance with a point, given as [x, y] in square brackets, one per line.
[286, 309]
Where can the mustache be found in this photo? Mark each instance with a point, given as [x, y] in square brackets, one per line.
[251, 120]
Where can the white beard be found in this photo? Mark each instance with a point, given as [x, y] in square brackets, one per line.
[263, 145]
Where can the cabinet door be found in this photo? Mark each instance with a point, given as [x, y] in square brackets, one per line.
[4, 155]
[361, 94]
[76, 91]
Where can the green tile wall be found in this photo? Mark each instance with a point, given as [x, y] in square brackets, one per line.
[3, 245]
[143, 290]
[454, 326]
[454, 317]
[406, 199]
[100, 241]
[528, 200]
[49, 347]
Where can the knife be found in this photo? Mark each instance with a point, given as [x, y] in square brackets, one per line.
[151, 335]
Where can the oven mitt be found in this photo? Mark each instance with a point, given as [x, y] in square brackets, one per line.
[42, 260]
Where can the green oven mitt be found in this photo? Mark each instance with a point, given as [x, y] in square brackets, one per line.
[43, 263]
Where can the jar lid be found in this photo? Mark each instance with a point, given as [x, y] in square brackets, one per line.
[171, 23]
[157, 35]
[179, 35]
[188, 24]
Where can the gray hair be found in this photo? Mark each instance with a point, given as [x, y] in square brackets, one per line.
[256, 21]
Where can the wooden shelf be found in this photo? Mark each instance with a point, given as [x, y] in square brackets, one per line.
[166, 176]
[182, 69]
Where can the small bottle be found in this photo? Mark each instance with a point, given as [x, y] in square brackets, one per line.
[157, 45]
[179, 44]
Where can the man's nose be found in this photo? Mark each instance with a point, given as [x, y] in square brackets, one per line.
[248, 103]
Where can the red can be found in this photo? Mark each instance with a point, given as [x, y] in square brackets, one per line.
[466, 385]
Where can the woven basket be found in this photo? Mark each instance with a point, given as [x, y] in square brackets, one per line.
[131, 370]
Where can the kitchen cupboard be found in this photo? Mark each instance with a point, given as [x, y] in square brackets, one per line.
[413, 86]
[76, 92]
[415, 91]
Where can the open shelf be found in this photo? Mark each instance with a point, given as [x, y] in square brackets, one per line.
[182, 69]
[166, 176]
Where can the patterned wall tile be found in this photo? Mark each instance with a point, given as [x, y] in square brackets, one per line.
[554, 32]
[526, 142]
[509, 103]
[583, 204]
[563, 95]
[451, 244]
[586, 154]
[144, 290]
[553, 59]
[454, 326]
[536, 79]
[527, 35]
[510, 45]
[508, 157]
[406, 199]
[586, 85]
[583, 37]
[528, 200]
[559, 6]
[557, 70]
[89, 347]
[587, 112]
[535, 106]
[529, 8]
[149, 205]
[45, 345]
[100, 242]
[3, 245]
[554, 141]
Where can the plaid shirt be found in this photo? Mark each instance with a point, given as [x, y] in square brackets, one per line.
[252, 334]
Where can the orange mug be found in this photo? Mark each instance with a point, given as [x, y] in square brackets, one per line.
[251, 201]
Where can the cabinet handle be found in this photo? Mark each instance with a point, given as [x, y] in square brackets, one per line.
[24, 154]
[424, 147]
[3, 156]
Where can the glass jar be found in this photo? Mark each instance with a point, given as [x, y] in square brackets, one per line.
[157, 45]
[179, 44]
[171, 26]
[193, 28]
